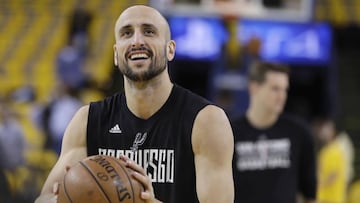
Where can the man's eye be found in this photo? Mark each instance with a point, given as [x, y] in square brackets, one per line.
[149, 32]
[125, 33]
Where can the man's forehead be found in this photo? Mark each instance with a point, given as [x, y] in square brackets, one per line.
[135, 22]
[143, 13]
[138, 19]
[142, 16]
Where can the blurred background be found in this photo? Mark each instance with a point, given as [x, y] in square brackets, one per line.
[57, 55]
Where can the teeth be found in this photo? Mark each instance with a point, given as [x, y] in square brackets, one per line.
[136, 56]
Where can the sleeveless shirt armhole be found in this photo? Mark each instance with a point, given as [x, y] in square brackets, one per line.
[91, 121]
[197, 104]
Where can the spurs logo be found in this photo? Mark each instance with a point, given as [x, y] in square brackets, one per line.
[139, 140]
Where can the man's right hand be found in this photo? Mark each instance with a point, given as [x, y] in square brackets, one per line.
[49, 198]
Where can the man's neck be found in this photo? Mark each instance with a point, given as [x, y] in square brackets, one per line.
[261, 119]
[145, 98]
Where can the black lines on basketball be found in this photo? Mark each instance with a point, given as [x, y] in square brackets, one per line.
[128, 178]
[65, 189]
[96, 180]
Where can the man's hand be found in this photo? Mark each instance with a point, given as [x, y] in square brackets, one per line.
[50, 198]
[140, 175]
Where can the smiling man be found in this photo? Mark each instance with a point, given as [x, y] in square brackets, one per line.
[179, 144]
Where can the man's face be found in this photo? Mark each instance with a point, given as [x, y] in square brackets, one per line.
[141, 51]
[272, 93]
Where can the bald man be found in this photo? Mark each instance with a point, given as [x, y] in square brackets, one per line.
[182, 143]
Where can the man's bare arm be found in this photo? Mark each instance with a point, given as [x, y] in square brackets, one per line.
[73, 150]
[213, 145]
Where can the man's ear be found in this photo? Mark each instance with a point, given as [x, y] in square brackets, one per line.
[253, 86]
[170, 50]
[115, 56]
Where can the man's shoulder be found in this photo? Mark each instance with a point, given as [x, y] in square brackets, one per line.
[107, 99]
[293, 120]
[298, 126]
[189, 100]
[106, 105]
[189, 93]
[238, 120]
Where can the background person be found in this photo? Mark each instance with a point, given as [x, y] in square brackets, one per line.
[274, 156]
[332, 163]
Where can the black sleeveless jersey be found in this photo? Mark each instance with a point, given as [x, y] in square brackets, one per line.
[161, 144]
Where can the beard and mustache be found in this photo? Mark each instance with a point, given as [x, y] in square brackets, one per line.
[156, 67]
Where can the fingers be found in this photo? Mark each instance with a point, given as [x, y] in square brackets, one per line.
[144, 180]
[140, 175]
[132, 165]
[146, 196]
[55, 188]
[55, 191]
[47, 198]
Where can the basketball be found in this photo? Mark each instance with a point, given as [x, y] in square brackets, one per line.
[99, 179]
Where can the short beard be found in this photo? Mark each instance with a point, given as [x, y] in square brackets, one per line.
[144, 76]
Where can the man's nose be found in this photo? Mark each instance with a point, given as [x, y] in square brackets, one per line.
[138, 39]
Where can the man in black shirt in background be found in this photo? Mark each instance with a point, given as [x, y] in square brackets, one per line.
[274, 156]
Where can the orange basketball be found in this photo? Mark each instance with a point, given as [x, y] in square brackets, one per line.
[99, 179]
